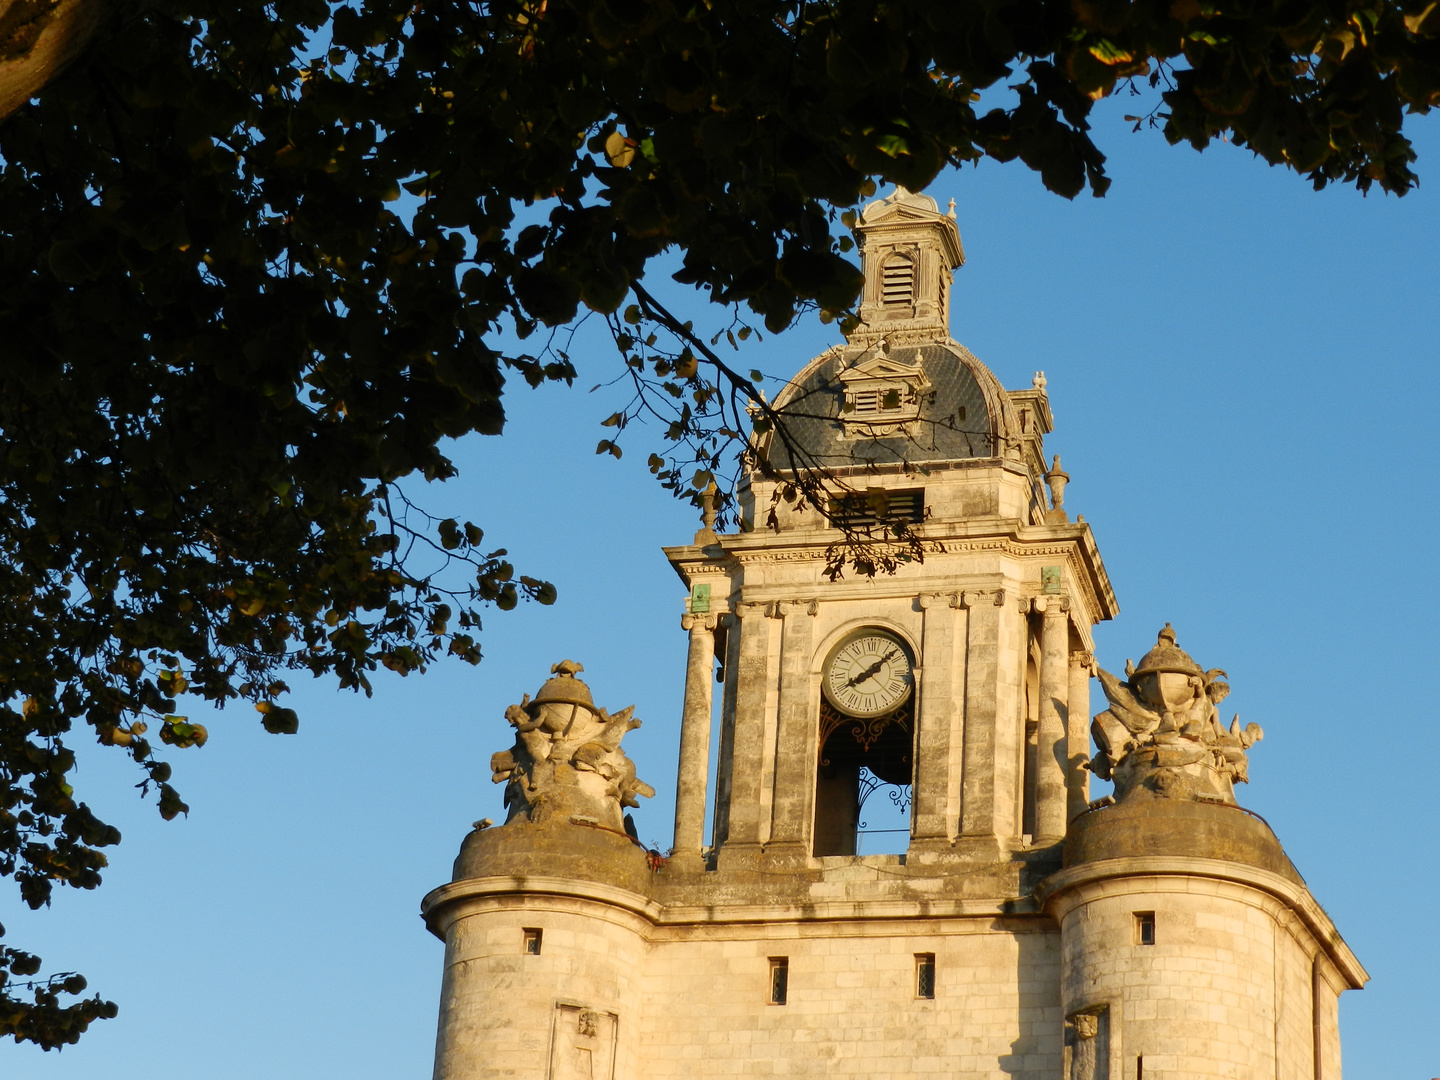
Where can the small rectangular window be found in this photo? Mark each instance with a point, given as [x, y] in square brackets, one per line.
[1144, 928]
[925, 975]
[779, 979]
[532, 940]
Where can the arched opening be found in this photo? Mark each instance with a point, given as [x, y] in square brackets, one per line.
[863, 783]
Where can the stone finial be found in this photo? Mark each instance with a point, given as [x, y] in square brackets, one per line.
[567, 761]
[950, 213]
[1161, 736]
[1057, 478]
[1039, 382]
[706, 534]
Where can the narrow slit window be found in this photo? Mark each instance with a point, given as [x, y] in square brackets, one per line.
[925, 975]
[532, 940]
[1144, 928]
[1140, 1067]
[779, 979]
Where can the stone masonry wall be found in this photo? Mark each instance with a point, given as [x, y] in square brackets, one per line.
[852, 1009]
[1221, 990]
[508, 1014]
[693, 1000]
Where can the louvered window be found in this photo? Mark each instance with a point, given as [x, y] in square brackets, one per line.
[872, 402]
[898, 282]
[860, 511]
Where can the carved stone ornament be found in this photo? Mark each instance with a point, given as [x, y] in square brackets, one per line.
[882, 395]
[567, 760]
[1161, 736]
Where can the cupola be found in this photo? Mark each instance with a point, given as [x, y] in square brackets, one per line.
[909, 250]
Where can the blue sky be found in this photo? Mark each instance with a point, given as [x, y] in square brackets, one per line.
[1244, 377]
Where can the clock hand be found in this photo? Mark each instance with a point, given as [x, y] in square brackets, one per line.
[871, 670]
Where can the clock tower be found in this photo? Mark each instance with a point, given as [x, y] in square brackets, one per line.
[961, 679]
[1003, 924]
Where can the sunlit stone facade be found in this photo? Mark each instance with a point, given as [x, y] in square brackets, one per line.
[1025, 931]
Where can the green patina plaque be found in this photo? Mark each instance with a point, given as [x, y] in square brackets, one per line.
[1050, 580]
[700, 599]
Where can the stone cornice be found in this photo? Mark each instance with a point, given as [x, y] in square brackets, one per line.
[443, 904]
[1073, 542]
[1061, 890]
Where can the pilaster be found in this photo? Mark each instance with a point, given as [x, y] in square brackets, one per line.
[935, 811]
[797, 732]
[982, 712]
[747, 751]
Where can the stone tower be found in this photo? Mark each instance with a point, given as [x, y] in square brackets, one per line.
[1019, 929]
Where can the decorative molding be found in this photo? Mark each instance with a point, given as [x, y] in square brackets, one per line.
[882, 395]
[1050, 605]
[583, 1042]
[975, 597]
[937, 600]
[1076, 553]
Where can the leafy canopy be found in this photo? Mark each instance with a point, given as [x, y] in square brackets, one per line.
[227, 338]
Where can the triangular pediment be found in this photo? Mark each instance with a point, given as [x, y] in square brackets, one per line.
[883, 366]
[901, 203]
[901, 212]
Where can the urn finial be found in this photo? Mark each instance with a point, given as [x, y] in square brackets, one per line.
[706, 534]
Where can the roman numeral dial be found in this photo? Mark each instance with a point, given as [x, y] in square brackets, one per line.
[868, 674]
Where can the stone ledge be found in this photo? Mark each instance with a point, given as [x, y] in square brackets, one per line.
[1020, 916]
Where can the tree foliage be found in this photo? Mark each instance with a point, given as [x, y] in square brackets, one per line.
[227, 339]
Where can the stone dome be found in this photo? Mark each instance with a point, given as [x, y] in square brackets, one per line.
[964, 413]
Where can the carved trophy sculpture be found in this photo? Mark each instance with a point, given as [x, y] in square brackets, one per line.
[567, 760]
[1161, 735]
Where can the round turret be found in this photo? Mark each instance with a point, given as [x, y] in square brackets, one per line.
[1189, 944]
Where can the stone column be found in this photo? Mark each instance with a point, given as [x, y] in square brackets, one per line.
[1053, 758]
[694, 770]
[935, 722]
[797, 730]
[748, 750]
[1077, 779]
[982, 664]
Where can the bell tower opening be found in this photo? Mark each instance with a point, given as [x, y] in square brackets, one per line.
[866, 762]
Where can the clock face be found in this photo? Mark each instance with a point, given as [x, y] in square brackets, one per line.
[868, 674]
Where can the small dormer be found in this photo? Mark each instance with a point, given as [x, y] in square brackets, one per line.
[909, 251]
[882, 396]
